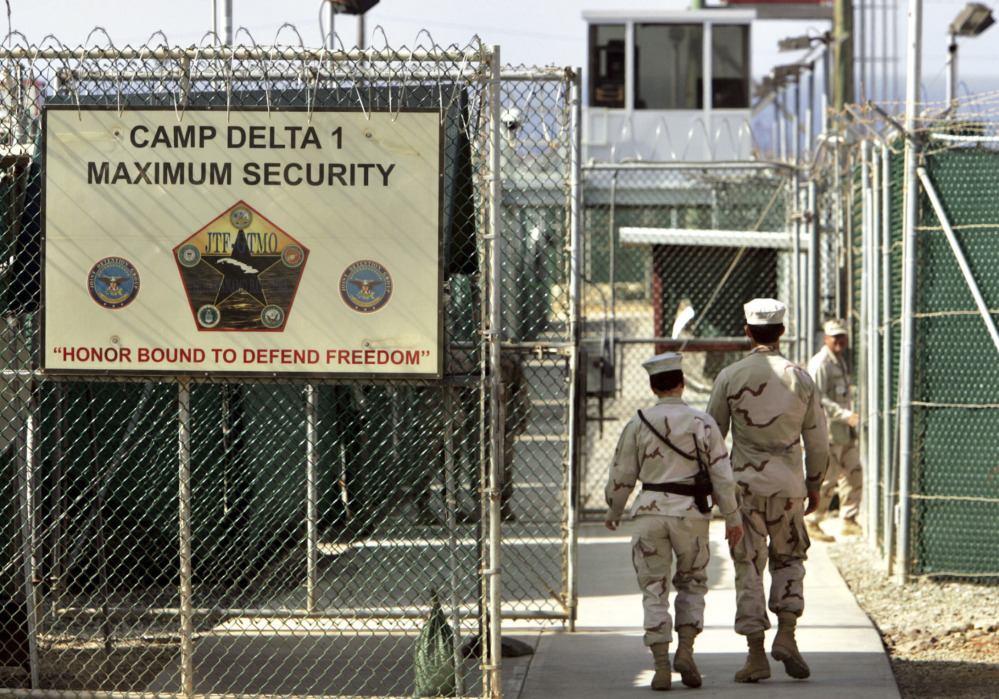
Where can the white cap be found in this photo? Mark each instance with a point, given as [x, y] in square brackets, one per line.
[668, 361]
[836, 326]
[764, 312]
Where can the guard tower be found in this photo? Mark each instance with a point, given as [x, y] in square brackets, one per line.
[667, 86]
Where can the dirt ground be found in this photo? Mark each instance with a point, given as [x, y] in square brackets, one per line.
[943, 637]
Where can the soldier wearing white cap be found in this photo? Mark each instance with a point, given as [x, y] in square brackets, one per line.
[829, 370]
[679, 455]
[771, 406]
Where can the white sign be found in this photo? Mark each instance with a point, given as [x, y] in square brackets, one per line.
[204, 241]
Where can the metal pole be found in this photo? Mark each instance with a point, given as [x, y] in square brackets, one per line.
[796, 268]
[814, 268]
[886, 358]
[29, 544]
[495, 337]
[909, 263]
[795, 127]
[451, 517]
[781, 97]
[951, 67]
[862, 46]
[575, 290]
[612, 261]
[311, 495]
[863, 337]
[809, 116]
[871, 389]
[186, 572]
[228, 22]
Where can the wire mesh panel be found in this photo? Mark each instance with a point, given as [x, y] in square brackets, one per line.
[673, 252]
[282, 536]
[945, 491]
[537, 141]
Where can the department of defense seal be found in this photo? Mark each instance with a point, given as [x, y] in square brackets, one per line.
[365, 286]
[113, 282]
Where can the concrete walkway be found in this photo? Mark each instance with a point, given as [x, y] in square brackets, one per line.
[605, 656]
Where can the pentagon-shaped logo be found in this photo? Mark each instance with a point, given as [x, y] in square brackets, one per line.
[241, 272]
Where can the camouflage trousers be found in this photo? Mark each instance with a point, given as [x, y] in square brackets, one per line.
[774, 532]
[655, 540]
[846, 474]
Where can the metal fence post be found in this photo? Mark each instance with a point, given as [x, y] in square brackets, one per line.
[494, 339]
[872, 392]
[575, 291]
[909, 266]
[186, 572]
[311, 496]
[887, 454]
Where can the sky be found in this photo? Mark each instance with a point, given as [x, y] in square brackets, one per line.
[529, 32]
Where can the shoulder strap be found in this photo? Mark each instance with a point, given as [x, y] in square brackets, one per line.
[668, 443]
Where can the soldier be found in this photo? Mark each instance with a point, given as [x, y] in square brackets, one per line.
[771, 405]
[667, 446]
[832, 379]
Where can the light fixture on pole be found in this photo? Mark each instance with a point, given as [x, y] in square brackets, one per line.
[974, 19]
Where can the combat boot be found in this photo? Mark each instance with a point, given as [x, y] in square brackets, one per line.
[683, 661]
[757, 667]
[815, 532]
[785, 648]
[661, 680]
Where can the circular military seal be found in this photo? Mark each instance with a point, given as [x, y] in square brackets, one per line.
[241, 217]
[272, 317]
[113, 282]
[292, 256]
[209, 316]
[365, 286]
[189, 255]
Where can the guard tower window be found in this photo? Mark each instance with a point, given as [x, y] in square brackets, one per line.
[669, 66]
[607, 65]
[730, 66]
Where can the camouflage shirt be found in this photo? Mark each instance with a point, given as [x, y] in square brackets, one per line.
[832, 379]
[642, 455]
[772, 405]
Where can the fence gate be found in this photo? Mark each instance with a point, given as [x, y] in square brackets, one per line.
[673, 251]
[235, 517]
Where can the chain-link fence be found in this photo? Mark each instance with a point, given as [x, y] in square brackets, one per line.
[253, 532]
[926, 304]
[673, 251]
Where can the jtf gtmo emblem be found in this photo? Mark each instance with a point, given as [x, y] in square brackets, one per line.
[241, 272]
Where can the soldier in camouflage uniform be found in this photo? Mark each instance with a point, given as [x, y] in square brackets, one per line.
[771, 405]
[669, 522]
[832, 378]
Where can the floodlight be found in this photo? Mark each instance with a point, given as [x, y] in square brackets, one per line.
[352, 7]
[782, 73]
[796, 43]
[974, 19]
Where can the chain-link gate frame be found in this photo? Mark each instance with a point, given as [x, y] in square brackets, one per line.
[116, 623]
[673, 251]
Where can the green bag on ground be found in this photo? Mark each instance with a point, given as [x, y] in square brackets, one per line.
[433, 656]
